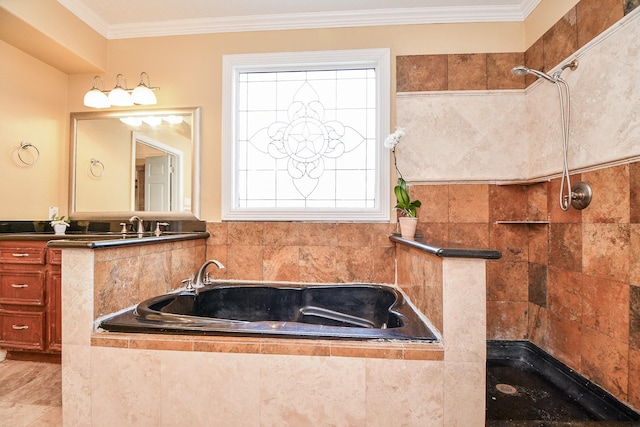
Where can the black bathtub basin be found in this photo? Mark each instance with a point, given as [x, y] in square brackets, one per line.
[346, 311]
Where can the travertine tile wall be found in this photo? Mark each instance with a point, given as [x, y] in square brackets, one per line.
[571, 286]
[126, 277]
[492, 71]
[567, 281]
[305, 252]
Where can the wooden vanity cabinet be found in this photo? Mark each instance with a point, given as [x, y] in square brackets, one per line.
[54, 300]
[30, 307]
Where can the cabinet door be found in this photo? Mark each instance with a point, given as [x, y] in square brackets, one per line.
[22, 330]
[54, 312]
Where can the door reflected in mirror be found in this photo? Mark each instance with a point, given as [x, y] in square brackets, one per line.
[158, 172]
[150, 162]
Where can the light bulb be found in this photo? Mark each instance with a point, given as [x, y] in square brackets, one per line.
[95, 98]
[142, 95]
[120, 97]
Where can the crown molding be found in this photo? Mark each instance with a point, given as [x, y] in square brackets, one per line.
[295, 21]
[87, 15]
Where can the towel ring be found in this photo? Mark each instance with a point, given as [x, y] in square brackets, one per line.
[25, 146]
[97, 168]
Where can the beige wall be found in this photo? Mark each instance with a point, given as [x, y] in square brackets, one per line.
[33, 109]
[187, 68]
[48, 31]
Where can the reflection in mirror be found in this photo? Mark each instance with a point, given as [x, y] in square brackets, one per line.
[151, 163]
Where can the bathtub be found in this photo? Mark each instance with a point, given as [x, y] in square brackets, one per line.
[341, 311]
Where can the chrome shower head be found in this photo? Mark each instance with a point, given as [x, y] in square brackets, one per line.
[521, 70]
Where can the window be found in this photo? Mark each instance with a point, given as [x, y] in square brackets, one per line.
[302, 136]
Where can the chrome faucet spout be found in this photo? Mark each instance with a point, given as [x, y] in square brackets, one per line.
[200, 275]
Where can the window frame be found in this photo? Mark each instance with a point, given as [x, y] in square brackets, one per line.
[234, 65]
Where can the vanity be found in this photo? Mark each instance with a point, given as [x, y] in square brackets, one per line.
[31, 284]
[30, 293]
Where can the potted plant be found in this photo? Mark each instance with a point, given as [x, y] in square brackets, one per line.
[59, 224]
[405, 206]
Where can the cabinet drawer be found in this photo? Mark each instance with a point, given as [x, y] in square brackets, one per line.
[26, 288]
[22, 330]
[25, 255]
[55, 256]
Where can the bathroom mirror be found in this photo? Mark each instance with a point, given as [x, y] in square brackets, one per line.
[129, 162]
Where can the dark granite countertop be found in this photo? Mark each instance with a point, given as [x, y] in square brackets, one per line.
[447, 252]
[102, 241]
[99, 234]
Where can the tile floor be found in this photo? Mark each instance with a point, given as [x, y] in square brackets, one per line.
[30, 394]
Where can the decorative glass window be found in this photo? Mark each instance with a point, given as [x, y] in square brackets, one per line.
[302, 136]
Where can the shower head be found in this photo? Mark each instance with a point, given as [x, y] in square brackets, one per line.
[521, 70]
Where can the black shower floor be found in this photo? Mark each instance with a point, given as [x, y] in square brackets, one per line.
[515, 391]
[526, 387]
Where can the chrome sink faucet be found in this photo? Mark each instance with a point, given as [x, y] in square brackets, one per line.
[200, 275]
[133, 220]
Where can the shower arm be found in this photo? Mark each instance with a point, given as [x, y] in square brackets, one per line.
[570, 65]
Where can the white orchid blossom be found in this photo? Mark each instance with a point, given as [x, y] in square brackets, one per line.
[393, 139]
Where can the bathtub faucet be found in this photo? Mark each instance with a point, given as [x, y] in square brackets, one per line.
[200, 275]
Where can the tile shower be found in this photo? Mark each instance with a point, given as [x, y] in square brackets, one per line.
[567, 281]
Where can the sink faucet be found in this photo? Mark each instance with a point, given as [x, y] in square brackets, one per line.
[135, 218]
[200, 275]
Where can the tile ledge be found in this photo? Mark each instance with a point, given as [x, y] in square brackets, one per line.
[410, 350]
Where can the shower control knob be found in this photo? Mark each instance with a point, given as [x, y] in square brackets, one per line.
[581, 195]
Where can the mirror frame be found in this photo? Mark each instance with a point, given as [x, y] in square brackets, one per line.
[195, 164]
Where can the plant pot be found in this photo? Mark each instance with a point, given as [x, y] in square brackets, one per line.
[59, 228]
[408, 226]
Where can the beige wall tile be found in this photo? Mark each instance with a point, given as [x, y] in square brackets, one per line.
[297, 391]
[464, 393]
[414, 403]
[200, 389]
[464, 310]
[124, 390]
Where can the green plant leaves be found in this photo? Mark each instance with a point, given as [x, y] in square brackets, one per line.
[405, 205]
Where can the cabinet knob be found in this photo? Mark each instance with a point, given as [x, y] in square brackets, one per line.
[20, 327]
[19, 285]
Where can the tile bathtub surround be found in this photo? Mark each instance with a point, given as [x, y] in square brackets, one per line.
[130, 275]
[332, 381]
[303, 252]
[282, 346]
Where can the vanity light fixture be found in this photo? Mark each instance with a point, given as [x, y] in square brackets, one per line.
[121, 96]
